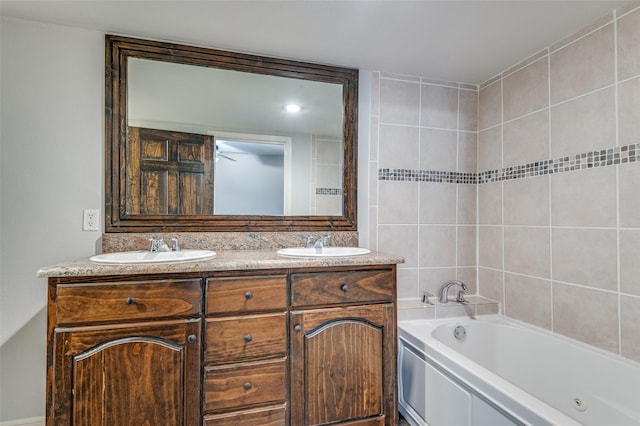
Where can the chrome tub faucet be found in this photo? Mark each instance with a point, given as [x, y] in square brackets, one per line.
[444, 290]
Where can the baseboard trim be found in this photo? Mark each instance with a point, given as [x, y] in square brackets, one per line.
[32, 421]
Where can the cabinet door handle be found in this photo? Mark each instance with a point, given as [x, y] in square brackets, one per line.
[192, 338]
[247, 386]
[130, 301]
[248, 295]
[297, 328]
[344, 288]
[248, 338]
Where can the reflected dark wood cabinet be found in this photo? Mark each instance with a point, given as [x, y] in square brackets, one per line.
[264, 347]
[169, 172]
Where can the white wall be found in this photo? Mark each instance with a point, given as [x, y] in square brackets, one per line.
[52, 83]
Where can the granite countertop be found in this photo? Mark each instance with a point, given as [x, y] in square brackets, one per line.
[225, 260]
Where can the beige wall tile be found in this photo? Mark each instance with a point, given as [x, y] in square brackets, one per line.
[585, 256]
[490, 284]
[630, 327]
[438, 149]
[526, 201]
[628, 112]
[439, 107]
[467, 237]
[528, 299]
[399, 147]
[373, 139]
[490, 149]
[629, 177]
[437, 246]
[526, 251]
[468, 276]
[407, 283]
[467, 205]
[437, 203]
[467, 152]
[468, 110]
[584, 198]
[398, 202]
[629, 261]
[583, 66]
[584, 124]
[629, 45]
[401, 240]
[373, 184]
[490, 203]
[375, 93]
[526, 90]
[490, 105]
[587, 315]
[373, 228]
[399, 102]
[526, 139]
[490, 247]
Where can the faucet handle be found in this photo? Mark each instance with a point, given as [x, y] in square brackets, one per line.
[154, 244]
[175, 245]
[460, 298]
[309, 242]
[326, 240]
[425, 298]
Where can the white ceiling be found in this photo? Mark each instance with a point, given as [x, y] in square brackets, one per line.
[464, 41]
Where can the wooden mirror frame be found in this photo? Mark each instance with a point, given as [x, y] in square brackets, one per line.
[119, 49]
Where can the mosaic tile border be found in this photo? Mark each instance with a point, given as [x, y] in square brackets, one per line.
[328, 191]
[586, 160]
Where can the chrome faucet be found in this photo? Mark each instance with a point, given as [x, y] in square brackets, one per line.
[322, 241]
[444, 290]
[160, 245]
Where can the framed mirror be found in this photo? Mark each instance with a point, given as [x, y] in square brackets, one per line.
[200, 139]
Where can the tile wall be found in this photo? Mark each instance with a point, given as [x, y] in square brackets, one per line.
[422, 201]
[557, 218]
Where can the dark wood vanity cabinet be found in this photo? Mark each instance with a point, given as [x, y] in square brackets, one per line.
[124, 353]
[285, 347]
[343, 364]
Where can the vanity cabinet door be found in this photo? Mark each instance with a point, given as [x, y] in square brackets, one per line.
[142, 374]
[343, 366]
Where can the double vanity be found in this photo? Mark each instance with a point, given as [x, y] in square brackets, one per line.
[244, 337]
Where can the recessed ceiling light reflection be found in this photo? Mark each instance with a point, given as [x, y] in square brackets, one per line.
[292, 108]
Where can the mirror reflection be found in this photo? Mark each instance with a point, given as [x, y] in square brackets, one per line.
[209, 141]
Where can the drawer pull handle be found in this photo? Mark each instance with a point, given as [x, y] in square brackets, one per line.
[248, 338]
[192, 338]
[130, 301]
[248, 295]
[297, 328]
[344, 288]
[247, 386]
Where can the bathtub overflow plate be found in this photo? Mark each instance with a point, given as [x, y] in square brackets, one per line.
[460, 333]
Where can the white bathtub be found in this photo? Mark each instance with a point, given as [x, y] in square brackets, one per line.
[504, 372]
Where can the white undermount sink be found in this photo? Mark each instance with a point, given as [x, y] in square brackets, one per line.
[131, 257]
[323, 252]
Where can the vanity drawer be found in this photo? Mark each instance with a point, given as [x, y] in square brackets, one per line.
[328, 288]
[243, 338]
[264, 416]
[240, 385]
[246, 294]
[131, 300]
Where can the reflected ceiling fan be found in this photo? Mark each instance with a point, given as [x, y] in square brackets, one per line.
[221, 154]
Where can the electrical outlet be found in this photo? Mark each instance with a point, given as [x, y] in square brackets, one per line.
[90, 220]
